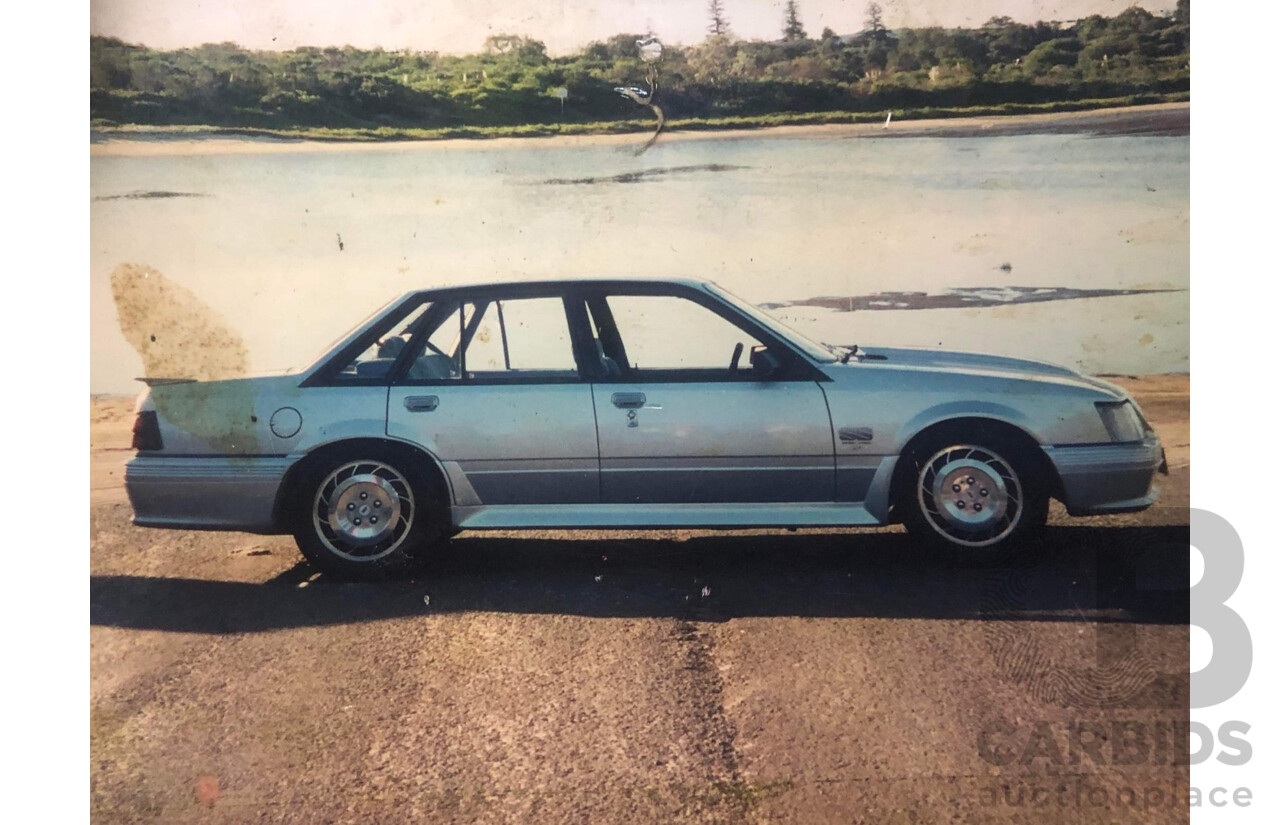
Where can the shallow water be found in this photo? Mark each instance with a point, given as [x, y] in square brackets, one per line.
[293, 248]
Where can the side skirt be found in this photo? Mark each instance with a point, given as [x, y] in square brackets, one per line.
[641, 516]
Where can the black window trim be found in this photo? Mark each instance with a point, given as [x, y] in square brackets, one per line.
[575, 296]
[795, 367]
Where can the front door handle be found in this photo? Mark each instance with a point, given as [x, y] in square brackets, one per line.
[628, 400]
[421, 403]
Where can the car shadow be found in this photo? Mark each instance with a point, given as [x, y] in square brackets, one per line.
[1084, 574]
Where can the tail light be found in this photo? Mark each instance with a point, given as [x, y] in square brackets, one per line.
[146, 431]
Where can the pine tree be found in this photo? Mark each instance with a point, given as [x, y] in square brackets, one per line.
[719, 25]
[875, 23]
[875, 17]
[794, 29]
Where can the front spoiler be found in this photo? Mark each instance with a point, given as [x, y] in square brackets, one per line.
[1108, 478]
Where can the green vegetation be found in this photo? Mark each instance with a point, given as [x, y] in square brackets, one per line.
[723, 82]
[613, 127]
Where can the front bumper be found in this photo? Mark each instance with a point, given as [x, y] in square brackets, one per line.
[1108, 478]
[205, 493]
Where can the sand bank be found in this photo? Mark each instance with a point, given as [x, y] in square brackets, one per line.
[1157, 119]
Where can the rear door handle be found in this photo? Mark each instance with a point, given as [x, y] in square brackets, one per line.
[628, 400]
[421, 403]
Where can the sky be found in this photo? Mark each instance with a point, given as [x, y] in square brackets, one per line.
[461, 26]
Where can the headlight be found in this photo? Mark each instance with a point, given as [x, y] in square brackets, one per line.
[1121, 420]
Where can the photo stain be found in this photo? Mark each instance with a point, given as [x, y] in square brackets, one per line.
[185, 345]
[650, 50]
[176, 334]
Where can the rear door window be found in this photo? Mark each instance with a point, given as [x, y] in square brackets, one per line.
[521, 340]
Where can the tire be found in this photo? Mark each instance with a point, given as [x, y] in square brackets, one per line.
[366, 514]
[976, 495]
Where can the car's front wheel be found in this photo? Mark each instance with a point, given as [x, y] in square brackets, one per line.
[976, 497]
[363, 515]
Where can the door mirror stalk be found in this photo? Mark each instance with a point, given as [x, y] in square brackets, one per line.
[764, 364]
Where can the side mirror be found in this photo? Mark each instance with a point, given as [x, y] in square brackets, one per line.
[764, 364]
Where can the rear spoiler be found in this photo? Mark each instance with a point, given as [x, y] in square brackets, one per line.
[161, 382]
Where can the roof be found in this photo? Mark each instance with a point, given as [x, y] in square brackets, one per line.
[563, 282]
[552, 284]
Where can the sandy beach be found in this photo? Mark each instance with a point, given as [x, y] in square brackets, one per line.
[1162, 118]
[760, 676]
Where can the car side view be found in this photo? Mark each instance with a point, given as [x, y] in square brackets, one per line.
[627, 404]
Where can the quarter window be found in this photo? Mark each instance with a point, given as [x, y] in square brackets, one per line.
[375, 362]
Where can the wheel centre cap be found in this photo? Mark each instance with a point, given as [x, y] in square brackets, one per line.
[364, 509]
[969, 494]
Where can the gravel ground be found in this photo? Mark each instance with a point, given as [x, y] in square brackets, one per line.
[755, 676]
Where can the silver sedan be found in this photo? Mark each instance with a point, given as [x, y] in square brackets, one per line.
[627, 404]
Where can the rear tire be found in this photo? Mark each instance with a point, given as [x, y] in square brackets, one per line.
[365, 514]
[975, 495]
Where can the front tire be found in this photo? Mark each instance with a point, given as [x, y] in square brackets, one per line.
[363, 515]
[978, 499]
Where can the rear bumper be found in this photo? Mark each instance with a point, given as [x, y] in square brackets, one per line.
[199, 493]
[1108, 478]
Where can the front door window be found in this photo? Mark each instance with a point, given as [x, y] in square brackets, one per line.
[664, 333]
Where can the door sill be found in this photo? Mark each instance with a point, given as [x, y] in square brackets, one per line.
[643, 516]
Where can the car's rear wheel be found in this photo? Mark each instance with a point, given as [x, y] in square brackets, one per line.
[979, 498]
[364, 514]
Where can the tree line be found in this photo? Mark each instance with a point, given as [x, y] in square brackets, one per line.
[514, 82]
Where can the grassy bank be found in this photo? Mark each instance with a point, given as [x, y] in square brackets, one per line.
[630, 126]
